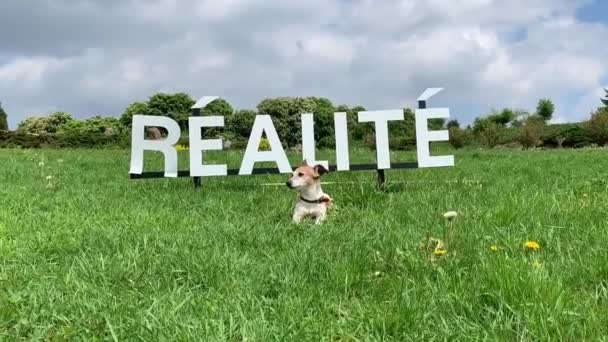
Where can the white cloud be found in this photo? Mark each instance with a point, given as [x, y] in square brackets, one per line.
[98, 56]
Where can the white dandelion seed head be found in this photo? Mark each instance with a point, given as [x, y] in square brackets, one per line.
[450, 215]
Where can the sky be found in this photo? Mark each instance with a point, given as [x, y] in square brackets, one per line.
[94, 57]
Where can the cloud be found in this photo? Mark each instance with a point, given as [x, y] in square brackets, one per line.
[95, 57]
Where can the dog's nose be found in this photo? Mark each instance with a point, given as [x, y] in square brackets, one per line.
[288, 184]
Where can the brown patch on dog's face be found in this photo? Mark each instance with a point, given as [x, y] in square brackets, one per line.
[305, 175]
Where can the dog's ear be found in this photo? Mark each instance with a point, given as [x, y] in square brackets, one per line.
[304, 163]
[320, 170]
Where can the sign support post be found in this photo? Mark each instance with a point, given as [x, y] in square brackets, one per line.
[196, 111]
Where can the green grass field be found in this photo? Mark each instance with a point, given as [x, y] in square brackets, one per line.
[92, 255]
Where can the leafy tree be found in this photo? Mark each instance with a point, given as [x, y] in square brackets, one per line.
[459, 137]
[453, 124]
[597, 127]
[605, 101]
[217, 107]
[176, 106]
[502, 118]
[285, 113]
[324, 122]
[486, 131]
[45, 125]
[436, 124]
[106, 125]
[545, 109]
[530, 133]
[240, 123]
[357, 131]
[3, 119]
[58, 120]
[135, 108]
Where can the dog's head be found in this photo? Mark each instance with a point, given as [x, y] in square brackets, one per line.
[305, 176]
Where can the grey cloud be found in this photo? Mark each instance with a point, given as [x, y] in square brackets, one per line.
[106, 54]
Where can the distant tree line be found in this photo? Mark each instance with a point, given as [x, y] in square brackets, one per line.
[506, 127]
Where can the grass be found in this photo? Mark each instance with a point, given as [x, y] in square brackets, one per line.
[96, 256]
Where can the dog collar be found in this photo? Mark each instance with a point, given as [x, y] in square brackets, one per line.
[323, 199]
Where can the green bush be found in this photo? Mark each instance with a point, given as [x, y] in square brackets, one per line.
[530, 133]
[264, 145]
[565, 135]
[597, 127]
[459, 137]
[26, 140]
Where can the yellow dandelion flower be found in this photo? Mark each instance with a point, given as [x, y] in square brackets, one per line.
[532, 245]
[494, 248]
[440, 252]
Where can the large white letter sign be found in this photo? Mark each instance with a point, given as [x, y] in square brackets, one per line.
[342, 157]
[308, 141]
[139, 144]
[198, 145]
[424, 136]
[381, 119]
[263, 124]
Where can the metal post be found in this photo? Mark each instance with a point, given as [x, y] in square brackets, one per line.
[381, 179]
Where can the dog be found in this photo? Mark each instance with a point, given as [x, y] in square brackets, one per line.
[312, 201]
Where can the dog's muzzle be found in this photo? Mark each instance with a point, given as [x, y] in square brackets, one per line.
[288, 183]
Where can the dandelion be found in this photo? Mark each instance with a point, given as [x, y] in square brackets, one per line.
[378, 274]
[48, 178]
[41, 164]
[532, 245]
[450, 215]
[494, 248]
[440, 252]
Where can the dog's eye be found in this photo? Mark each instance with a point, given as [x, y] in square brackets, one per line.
[300, 174]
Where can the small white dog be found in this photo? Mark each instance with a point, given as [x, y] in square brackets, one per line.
[312, 201]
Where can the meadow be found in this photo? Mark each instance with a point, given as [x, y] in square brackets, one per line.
[88, 254]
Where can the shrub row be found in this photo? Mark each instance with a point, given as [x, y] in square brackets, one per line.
[62, 140]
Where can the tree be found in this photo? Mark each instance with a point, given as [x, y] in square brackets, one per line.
[3, 119]
[285, 113]
[240, 123]
[605, 101]
[597, 127]
[216, 107]
[436, 124]
[486, 131]
[176, 106]
[135, 108]
[502, 118]
[357, 131]
[453, 124]
[545, 109]
[45, 125]
[57, 121]
[459, 138]
[530, 132]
